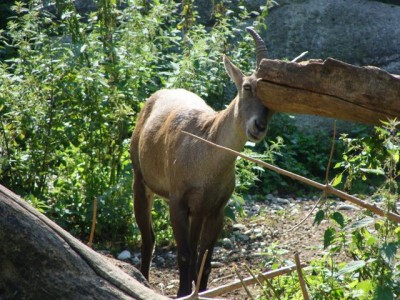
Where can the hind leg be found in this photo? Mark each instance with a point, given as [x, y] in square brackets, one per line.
[143, 203]
[211, 229]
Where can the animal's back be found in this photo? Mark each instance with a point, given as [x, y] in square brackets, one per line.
[157, 141]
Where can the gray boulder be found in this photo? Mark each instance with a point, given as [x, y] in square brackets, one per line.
[357, 32]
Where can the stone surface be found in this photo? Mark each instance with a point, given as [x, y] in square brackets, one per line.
[357, 32]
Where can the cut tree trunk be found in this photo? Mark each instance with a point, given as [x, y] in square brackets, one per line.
[331, 89]
[40, 260]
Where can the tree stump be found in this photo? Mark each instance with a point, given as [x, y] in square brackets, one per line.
[40, 260]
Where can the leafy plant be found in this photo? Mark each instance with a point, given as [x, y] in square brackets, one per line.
[71, 94]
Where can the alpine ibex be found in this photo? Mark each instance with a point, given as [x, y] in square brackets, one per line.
[196, 179]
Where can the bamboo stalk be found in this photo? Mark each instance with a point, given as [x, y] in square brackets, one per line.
[327, 188]
[93, 223]
[301, 278]
[243, 284]
[237, 284]
[203, 261]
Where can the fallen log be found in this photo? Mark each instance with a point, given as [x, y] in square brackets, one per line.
[330, 89]
[40, 260]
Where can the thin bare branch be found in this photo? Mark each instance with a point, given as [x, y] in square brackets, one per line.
[331, 153]
[307, 216]
[326, 180]
[249, 280]
[324, 187]
[301, 278]
[201, 271]
[268, 282]
[296, 59]
[243, 284]
[266, 293]
[90, 242]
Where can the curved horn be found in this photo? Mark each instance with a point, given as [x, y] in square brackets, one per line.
[261, 49]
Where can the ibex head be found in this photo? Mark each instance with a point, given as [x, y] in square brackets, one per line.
[250, 111]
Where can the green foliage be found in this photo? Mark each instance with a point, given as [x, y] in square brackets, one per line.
[300, 151]
[372, 268]
[72, 91]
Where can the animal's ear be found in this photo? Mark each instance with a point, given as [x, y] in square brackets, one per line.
[234, 72]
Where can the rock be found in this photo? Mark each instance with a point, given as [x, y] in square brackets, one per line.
[347, 207]
[135, 260]
[357, 32]
[124, 255]
[257, 230]
[243, 237]
[227, 243]
[239, 227]
[216, 264]
[270, 197]
[282, 201]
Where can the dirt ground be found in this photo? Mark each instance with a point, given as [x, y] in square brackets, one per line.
[248, 242]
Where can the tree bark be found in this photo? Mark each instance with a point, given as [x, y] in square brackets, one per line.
[40, 260]
[331, 89]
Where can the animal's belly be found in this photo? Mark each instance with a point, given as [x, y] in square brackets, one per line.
[156, 181]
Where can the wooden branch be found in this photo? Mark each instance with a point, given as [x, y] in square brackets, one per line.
[237, 284]
[327, 188]
[331, 89]
[301, 278]
[40, 260]
[90, 243]
[243, 284]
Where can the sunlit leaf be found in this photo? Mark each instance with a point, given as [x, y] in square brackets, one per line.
[337, 180]
[360, 223]
[351, 267]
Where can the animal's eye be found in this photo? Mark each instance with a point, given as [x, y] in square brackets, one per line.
[247, 87]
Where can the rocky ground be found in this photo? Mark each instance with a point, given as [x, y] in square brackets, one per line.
[270, 233]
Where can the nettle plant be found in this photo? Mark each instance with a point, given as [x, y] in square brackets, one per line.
[370, 244]
[70, 96]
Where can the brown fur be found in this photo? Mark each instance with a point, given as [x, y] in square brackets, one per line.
[196, 179]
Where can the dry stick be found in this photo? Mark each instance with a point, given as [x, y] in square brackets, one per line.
[299, 57]
[201, 272]
[326, 180]
[271, 287]
[301, 278]
[243, 284]
[267, 294]
[331, 153]
[195, 294]
[93, 223]
[324, 187]
[237, 284]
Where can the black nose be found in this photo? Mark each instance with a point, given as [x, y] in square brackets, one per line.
[261, 126]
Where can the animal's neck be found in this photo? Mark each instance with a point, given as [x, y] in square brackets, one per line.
[227, 130]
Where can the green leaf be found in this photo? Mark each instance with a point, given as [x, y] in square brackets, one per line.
[373, 171]
[338, 217]
[337, 180]
[319, 217]
[229, 213]
[360, 224]
[329, 237]
[383, 293]
[351, 267]
[389, 252]
[362, 289]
